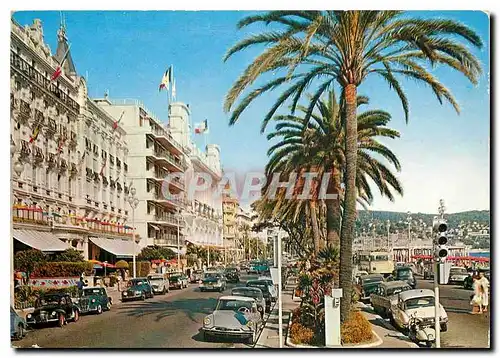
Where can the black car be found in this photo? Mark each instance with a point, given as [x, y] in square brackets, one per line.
[232, 275]
[266, 291]
[57, 308]
[405, 274]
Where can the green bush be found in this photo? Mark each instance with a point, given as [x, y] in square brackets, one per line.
[69, 255]
[28, 260]
[122, 264]
[26, 296]
[143, 268]
[63, 269]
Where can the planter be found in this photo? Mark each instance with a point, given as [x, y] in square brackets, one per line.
[376, 342]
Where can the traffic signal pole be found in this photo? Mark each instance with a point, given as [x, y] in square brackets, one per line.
[440, 227]
[437, 323]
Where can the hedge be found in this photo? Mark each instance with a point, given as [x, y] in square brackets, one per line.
[142, 268]
[63, 269]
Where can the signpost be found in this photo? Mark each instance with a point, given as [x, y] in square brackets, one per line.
[332, 318]
[280, 300]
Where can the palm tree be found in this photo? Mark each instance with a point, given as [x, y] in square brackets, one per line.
[319, 144]
[345, 47]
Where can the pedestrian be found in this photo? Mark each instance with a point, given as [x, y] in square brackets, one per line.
[476, 298]
[485, 285]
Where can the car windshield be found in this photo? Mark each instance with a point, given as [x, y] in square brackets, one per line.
[155, 278]
[458, 271]
[231, 269]
[198, 272]
[404, 274]
[137, 282]
[48, 300]
[232, 305]
[212, 275]
[175, 278]
[420, 302]
[396, 290]
[247, 293]
[366, 280]
[92, 292]
[262, 286]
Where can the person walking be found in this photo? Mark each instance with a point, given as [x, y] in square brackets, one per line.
[485, 286]
[477, 297]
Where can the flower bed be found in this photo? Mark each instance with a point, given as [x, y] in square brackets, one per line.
[356, 329]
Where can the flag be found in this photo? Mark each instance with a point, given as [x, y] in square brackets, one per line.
[61, 143]
[174, 92]
[166, 80]
[35, 133]
[102, 168]
[201, 128]
[58, 70]
[115, 123]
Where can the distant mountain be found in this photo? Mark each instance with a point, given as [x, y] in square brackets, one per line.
[454, 219]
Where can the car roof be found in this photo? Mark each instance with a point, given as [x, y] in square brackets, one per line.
[250, 289]
[372, 275]
[392, 284]
[237, 298]
[260, 282]
[416, 293]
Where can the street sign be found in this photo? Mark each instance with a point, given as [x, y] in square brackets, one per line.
[274, 275]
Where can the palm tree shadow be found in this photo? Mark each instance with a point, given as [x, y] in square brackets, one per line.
[191, 307]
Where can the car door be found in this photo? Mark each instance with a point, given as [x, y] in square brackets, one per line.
[398, 314]
[66, 305]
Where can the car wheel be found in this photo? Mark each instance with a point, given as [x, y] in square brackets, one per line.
[62, 320]
[76, 316]
[444, 327]
[143, 296]
[164, 290]
[108, 306]
[99, 309]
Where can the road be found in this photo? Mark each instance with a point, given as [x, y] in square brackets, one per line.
[464, 329]
[170, 321]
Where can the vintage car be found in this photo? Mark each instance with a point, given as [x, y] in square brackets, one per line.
[53, 308]
[234, 316]
[403, 273]
[178, 280]
[272, 287]
[213, 281]
[266, 291]
[232, 275]
[196, 276]
[254, 293]
[457, 275]
[159, 284]
[386, 296]
[420, 303]
[18, 325]
[140, 289]
[368, 284]
[94, 299]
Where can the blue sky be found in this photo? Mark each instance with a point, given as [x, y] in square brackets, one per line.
[443, 155]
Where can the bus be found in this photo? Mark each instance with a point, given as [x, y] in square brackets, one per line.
[375, 262]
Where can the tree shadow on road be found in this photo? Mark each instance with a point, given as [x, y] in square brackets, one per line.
[190, 306]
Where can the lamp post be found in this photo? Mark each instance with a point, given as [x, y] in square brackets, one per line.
[133, 202]
[409, 234]
[388, 222]
[18, 170]
[179, 210]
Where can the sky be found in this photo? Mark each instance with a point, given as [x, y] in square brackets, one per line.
[443, 155]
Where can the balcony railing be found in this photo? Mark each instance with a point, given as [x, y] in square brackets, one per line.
[37, 77]
[169, 218]
[170, 240]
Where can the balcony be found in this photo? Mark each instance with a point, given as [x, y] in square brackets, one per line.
[162, 219]
[40, 80]
[168, 200]
[166, 139]
[168, 240]
[160, 175]
[166, 159]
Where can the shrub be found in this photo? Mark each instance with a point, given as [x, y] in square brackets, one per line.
[300, 334]
[26, 296]
[122, 264]
[63, 269]
[356, 329]
[149, 253]
[28, 260]
[143, 268]
[69, 255]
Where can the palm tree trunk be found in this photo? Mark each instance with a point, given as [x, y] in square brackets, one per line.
[314, 225]
[349, 215]
[333, 211]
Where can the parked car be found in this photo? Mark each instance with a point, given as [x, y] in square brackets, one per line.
[429, 274]
[232, 275]
[178, 280]
[53, 308]
[94, 299]
[272, 287]
[159, 284]
[368, 284]
[234, 316]
[196, 276]
[252, 292]
[138, 281]
[266, 291]
[18, 325]
[419, 303]
[457, 275]
[403, 273]
[213, 281]
[386, 296]
[468, 280]
[140, 289]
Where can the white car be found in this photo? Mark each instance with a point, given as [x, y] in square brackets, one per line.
[458, 275]
[421, 303]
[272, 287]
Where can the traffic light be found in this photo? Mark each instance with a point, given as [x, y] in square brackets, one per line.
[440, 227]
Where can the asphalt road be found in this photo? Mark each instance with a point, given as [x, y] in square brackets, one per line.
[170, 321]
[465, 330]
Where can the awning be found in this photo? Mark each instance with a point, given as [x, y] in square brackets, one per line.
[181, 251]
[40, 240]
[118, 247]
[155, 227]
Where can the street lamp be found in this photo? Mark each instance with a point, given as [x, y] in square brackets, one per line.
[179, 210]
[409, 234]
[133, 202]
